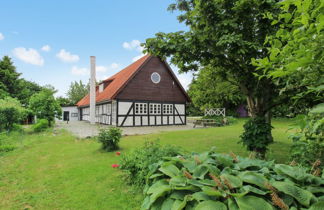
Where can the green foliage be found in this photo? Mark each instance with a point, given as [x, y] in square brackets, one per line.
[211, 180]
[77, 91]
[41, 125]
[11, 112]
[224, 36]
[7, 148]
[109, 138]
[137, 163]
[45, 106]
[64, 101]
[209, 90]
[255, 136]
[308, 145]
[295, 56]
[8, 78]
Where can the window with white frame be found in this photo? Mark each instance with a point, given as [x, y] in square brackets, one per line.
[140, 108]
[167, 109]
[155, 108]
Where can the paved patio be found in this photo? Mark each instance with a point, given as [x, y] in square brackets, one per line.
[84, 129]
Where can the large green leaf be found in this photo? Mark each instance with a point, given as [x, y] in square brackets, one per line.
[234, 181]
[211, 205]
[253, 178]
[159, 193]
[302, 196]
[293, 172]
[167, 204]
[178, 181]
[201, 196]
[250, 202]
[255, 190]
[200, 172]
[212, 192]
[169, 169]
[232, 204]
[157, 185]
[317, 206]
[178, 204]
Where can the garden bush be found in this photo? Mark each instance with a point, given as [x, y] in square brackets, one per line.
[7, 148]
[308, 141]
[137, 163]
[257, 136]
[109, 138]
[11, 112]
[41, 125]
[216, 181]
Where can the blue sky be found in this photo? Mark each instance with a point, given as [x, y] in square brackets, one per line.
[50, 41]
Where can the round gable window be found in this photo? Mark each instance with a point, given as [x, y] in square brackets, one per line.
[155, 77]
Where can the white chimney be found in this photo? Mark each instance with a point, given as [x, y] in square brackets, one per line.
[93, 90]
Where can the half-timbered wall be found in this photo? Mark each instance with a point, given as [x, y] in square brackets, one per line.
[103, 113]
[146, 113]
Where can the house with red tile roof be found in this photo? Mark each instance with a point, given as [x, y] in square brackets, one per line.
[145, 93]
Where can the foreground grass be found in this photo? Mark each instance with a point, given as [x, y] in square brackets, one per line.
[50, 171]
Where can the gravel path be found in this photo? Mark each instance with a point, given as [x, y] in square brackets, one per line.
[83, 129]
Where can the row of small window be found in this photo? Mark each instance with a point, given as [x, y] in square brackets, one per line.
[141, 108]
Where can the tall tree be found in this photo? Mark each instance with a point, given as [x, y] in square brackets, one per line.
[225, 35]
[296, 53]
[8, 77]
[26, 90]
[77, 91]
[45, 106]
[209, 90]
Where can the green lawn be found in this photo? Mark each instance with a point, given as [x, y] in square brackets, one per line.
[50, 171]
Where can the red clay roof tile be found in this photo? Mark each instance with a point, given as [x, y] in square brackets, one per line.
[116, 82]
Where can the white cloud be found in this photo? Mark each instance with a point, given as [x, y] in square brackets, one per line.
[79, 71]
[1, 36]
[30, 56]
[101, 68]
[67, 56]
[133, 45]
[114, 66]
[46, 48]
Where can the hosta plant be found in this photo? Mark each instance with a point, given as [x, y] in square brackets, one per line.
[215, 181]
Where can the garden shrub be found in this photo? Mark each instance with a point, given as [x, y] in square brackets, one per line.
[11, 112]
[109, 138]
[257, 136]
[308, 141]
[216, 181]
[7, 148]
[41, 125]
[137, 163]
[17, 128]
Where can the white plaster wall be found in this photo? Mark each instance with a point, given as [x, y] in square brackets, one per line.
[180, 108]
[123, 107]
[70, 109]
[113, 113]
[145, 120]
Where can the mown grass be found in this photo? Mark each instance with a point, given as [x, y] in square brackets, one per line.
[57, 171]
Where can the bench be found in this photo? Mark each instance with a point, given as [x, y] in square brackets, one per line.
[205, 122]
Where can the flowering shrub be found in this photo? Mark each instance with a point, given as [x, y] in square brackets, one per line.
[215, 181]
[115, 165]
[109, 138]
[136, 164]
